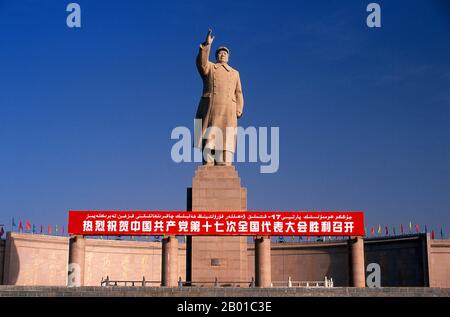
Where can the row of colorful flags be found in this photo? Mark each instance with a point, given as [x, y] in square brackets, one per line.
[412, 229]
[27, 226]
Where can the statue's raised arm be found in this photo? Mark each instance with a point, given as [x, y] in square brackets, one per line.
[203, 54]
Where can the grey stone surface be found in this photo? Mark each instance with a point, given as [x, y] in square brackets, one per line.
[93, 291]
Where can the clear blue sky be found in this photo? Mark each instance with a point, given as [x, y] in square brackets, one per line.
[86, 114]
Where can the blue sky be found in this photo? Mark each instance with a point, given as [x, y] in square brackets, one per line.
[364, 114]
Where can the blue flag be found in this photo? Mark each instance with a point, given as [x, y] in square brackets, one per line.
[442, 234]
[13, 222]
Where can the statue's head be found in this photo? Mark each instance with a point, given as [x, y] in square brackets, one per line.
[222, 54]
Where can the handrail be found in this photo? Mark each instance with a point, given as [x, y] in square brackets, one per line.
[143, 283]
[326, 283]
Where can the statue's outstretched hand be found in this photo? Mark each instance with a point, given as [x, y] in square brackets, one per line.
[209, 38]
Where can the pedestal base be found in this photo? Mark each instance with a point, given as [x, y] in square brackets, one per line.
[221, 259]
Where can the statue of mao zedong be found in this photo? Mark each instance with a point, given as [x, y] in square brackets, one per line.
[220, 106]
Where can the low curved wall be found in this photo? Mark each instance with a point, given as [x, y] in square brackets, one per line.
[31, 259]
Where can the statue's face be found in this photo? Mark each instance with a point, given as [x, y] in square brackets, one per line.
[222, 56]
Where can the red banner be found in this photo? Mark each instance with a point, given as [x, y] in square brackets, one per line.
[250, 223]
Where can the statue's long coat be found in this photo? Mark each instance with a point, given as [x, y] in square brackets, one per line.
[221, 100]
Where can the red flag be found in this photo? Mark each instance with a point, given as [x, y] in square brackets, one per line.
[373, 231]
[401, 228]
[432, 234]
[387, 230]
[20, 225]
[1, 231]
[417, 228]
[49, 229]
[28, 225]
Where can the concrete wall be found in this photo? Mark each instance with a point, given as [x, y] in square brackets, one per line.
[32, 259]
[306, 262]
[27, 259]
[439, 262]
[35, 260]
[402, 260]
[126, 260]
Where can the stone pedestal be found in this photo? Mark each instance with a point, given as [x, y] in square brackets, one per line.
[356, 262]
[263, 267]
[169, 259]
[217, 188]
[77, 246]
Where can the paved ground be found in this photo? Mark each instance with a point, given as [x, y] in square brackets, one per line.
[91, 291]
